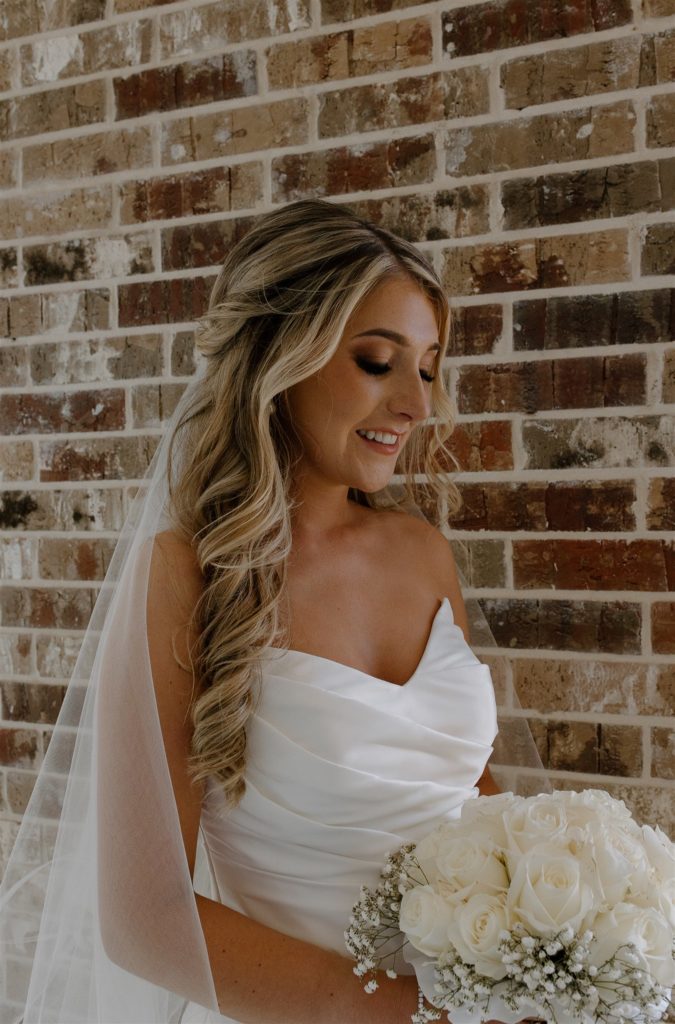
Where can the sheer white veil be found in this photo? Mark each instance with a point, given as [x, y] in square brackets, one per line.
[98, 920]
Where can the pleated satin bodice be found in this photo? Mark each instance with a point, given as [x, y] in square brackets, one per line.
[342, 767]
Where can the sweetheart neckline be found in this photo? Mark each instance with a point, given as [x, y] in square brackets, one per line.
[445, 601]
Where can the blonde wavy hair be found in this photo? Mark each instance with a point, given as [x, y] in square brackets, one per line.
[276, 315]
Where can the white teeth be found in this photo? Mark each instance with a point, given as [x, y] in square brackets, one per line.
[373, 435]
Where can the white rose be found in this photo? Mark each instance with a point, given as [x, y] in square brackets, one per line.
[665, 901]
[548, 891]
[424, 917]
[620, 859]
[474, 932]
[430, 848]
[646, 928]
[591, 804]
[538, 819]
[660, 852]
[467, 864]
[485, 815]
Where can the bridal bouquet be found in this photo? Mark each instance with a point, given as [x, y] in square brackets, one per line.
[558, 906]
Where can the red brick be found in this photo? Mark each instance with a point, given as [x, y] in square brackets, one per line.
[663, 627]
[555, 384]
[46, 608]
[475, 330]
[202, 245]
[661, 504]
[580, 321]
[608, 626]
[482, 446]
[125, 458]
[564, 505]
[41, 412]
[172, 301]
[505, 23]
[410, 161]
[594, 564]
[172, 87]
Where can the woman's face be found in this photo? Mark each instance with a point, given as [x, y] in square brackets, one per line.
[378, 380]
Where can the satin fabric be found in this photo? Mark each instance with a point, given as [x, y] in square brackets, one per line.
[343, 767]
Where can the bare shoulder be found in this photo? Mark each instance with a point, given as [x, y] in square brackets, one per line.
[423, 545]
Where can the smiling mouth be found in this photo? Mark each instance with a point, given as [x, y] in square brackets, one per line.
[383, 446]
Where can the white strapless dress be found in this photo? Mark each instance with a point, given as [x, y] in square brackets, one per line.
[342, 767]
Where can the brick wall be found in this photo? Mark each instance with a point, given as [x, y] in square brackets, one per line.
[528, 148]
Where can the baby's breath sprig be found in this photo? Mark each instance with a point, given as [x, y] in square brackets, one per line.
[373, 936]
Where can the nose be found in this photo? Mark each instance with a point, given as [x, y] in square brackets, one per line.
[411, 397]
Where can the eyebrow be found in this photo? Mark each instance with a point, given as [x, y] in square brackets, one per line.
[400, 339]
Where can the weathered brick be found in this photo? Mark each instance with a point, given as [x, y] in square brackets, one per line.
[661, 120]
[663, 627]
[153, 404]
[47, 313]
[563, 505]
[8, 69]
[86, 53]
[603, 687]
[661, 504]
[658, 249]
[67, 510]
[121, 149]
[578, 321]
[183, 363]
[440, 96]
[55, 212]
[482, 445]
[54, 110]
[426, 216]
[52, 608]
[179, 299]
[9, 169]
[347, 10]
[552, 384]
[66, 558]
[615, 191]
[16, 658]
[20, 747]
[16, 558]
[475, 330]
[358, 168]
[126, 458]
[56, 655]
[93, 361]
[657, 8]
[589, 747]
[240, 129]
[668, 382]
[500, 24]
[483, 563]
[17, 461]
[589, 258]
[214, 79]
[358, 51]
[201, 245]
[547, 138]
[31, 702]
[43, 16]
[49, 412]
[9, 272]
[572, 72]
[208, 27]
[594, 564]
[606, 442]
[214, 190]
[82, 259]
[612, 627]
[663, 753]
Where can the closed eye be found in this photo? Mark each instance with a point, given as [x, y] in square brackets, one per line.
[380, 368]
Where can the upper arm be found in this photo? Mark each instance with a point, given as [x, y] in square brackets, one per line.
[174, 586]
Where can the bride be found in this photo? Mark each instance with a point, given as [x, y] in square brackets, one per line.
[278, 686]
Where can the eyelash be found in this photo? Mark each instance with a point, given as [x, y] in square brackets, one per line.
[380, 368]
